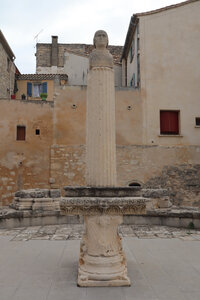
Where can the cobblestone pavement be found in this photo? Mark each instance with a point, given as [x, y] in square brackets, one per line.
[74, 232]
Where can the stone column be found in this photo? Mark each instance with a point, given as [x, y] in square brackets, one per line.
[102, 262]
[100, 136]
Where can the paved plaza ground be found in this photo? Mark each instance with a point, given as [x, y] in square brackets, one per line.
[42, 262]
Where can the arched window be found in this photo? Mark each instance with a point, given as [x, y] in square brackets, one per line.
[135, 184]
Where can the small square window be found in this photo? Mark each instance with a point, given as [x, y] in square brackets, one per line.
[197, 121]
[169, 122]
[37, 131]
[21, 133]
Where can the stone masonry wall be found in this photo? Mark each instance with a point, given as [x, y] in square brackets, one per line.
[43, 55]
[8, 184]
[175, 168]
[7, 76]
[67, 166]
[183, 181]
[24, 164]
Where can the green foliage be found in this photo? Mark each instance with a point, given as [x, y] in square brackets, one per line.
[43, 95]
[191, 225]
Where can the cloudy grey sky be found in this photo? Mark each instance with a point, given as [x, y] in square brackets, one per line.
[74, 21]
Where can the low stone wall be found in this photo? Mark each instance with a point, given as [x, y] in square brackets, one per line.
[185, 218]
[37, 200]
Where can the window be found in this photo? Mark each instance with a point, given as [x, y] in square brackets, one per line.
[169, 122]
[37, 131]
[36, 88]
[21, 133]
[197, 121]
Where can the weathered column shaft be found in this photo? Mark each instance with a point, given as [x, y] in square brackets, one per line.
[100, 136]
[102, 261]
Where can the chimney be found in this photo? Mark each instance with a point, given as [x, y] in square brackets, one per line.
[54, 51]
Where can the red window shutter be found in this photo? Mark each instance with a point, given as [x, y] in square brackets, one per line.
[21, 133]
[169, 123]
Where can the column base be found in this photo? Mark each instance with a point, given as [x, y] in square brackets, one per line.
[103, 271]
[95, 283]
[102, 261]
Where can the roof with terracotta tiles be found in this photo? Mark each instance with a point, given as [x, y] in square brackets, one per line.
[41, 76]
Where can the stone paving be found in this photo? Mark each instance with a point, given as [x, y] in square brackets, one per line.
[75, 231]
[41, 262]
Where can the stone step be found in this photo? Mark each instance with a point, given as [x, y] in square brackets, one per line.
[81, 191]
[38, 193]
[36, 204]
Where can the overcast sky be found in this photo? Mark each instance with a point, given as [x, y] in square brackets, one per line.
[74, 21]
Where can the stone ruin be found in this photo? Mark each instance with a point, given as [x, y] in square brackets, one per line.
[102, 203]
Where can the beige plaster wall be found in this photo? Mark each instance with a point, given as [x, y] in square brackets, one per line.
[22, 89]
[24, 164]
[70, 114]
[128, 117]
[170, 72]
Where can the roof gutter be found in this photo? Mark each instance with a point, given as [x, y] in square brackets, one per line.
[131, 30]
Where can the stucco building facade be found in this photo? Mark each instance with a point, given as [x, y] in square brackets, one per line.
[157, 113]
[160, 57]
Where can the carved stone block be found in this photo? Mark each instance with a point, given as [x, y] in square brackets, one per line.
[102, 261]
[102, 205]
